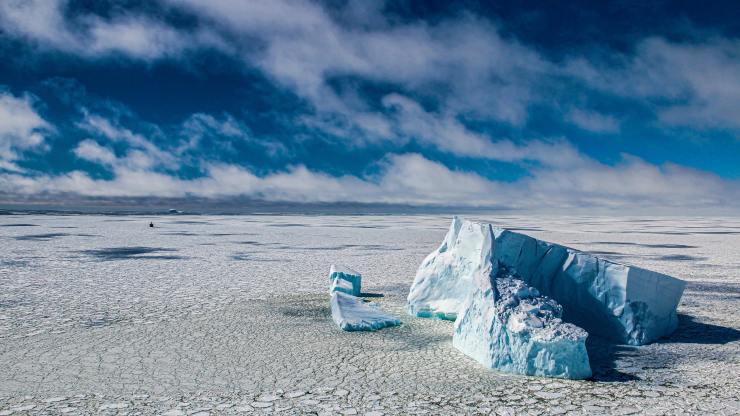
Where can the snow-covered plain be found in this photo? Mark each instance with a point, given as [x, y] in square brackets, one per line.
[228, 314]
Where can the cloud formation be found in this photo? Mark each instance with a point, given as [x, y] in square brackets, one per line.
[21, 129]
[462, 62]
[429, 94]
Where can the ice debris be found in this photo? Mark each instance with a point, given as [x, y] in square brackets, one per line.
[623, 303]
[508, 326]
[345, 280]
[352, 314]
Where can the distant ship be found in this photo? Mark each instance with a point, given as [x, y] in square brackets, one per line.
[174, 211]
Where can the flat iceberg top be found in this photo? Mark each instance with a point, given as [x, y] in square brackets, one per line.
[353, 314]
[339, 268]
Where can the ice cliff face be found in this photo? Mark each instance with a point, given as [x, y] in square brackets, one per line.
[445, 277]
[344, 279]
[624, 303]
[508, 326]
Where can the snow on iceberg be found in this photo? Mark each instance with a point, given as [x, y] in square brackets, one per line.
[445, 277]
[345, 280]
[623, 303]
[352, 314]
[508, 326]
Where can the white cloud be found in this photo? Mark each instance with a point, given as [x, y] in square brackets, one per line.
[462, 63]
[142, 154]
[93, 152]
[691, 84]
[593, 121]
[632, 185]
[226, 130]
[21, 128]
[44, 23]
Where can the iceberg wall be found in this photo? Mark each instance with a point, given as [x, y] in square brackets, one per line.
[345, 280]
[508, 326]
[445, 277]
[623, 303]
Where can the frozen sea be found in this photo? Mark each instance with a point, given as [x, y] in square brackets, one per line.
[230, 314]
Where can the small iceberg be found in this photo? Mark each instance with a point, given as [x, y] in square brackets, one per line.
[508, 326]
[344, 279]
[353, 314]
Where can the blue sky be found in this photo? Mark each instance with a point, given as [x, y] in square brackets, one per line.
[529, 105]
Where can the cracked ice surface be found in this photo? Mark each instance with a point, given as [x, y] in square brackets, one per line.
[229, 315]
[625, 303]
[508, 326]
[352, 314]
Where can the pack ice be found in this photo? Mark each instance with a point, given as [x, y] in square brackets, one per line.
[352, 314]
[506, 325]
[623, 303]
[344, 279]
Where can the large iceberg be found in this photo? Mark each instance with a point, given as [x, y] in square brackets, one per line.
[345, 280]
[353, 314]
[508, 326]
[623, 303]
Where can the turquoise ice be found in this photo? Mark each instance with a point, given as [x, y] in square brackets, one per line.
[345, 280]
[508, 326]
[353, 314]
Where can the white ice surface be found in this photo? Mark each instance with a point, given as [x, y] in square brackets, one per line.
[189, 318]
[353, 314]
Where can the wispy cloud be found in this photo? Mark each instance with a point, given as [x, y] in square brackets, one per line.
[46, 23]
[21, 128]
[695, 84]
[631, 185]
[592, 121]
[364, 79]
[462, 62]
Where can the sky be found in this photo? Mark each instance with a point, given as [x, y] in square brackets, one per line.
[620, 106]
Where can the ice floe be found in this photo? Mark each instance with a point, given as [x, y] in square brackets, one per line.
[353, 314]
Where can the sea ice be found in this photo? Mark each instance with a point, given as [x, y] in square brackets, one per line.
[352, 314]
[624, 303]
[508, 326]
[345, 280]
